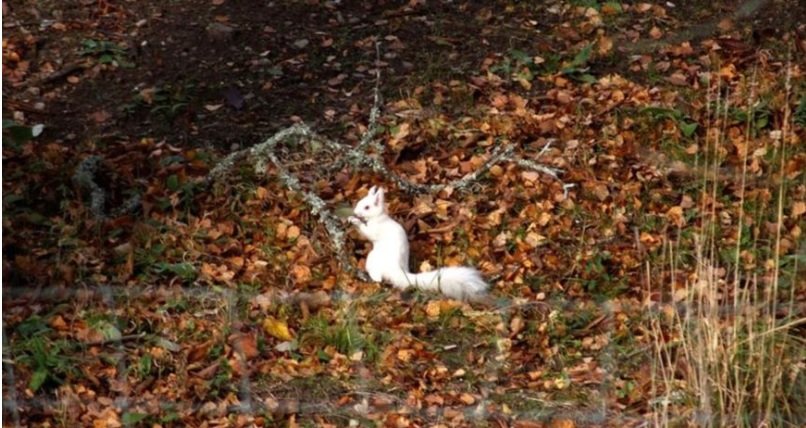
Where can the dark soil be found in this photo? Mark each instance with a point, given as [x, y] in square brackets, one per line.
[232, 73]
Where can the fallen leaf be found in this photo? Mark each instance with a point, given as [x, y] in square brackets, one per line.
[100, 116]
[292, 233]
[285, 346]
[404, 355]
[301, 273]
[534, 239]
[798, 208]
[432, 309]
[530, 176]
[277, 328]
[675, 215]
[562, 423]
[678, 79]
[467, 399]
[600, 191]
[246, 344]
[58, 323]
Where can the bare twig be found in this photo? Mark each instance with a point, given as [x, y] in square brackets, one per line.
[372, 126]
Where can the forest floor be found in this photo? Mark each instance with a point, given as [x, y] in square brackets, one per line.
[674, 124]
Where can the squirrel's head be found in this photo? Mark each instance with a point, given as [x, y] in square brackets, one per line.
[371, 205]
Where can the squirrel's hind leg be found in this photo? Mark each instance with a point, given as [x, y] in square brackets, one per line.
[375, 266]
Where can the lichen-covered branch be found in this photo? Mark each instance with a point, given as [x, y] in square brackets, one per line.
[359, 160]
[319, 208]
[499, 154]
[84, 177]
[258, 153]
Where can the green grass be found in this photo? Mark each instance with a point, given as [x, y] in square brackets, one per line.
[346, 336]
[51, 361]
[726, 346]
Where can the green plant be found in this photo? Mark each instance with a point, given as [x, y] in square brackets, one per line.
[143, 367]
[800, 112]
[185, 189]
[599, 277]
[166, 102]
[587, 4]
[522, 67]
[49, 359]
[133, 418]
[107, 52]
[685, 124]
[757, 116]
[20, 134]
[577, 67]
[221, 384]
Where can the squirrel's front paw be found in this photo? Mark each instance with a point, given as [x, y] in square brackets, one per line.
[355, 220]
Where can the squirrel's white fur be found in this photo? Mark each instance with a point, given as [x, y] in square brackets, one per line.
[389, 258]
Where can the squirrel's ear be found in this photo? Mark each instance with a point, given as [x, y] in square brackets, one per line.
[373, 190]
[378, 202]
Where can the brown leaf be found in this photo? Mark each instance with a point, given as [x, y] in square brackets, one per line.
[530, 176]
[434, 400]
[100, 116]
[261, 193]
[313, 300]
[678, 79]
[798, 208]
[208, 372]
[529, 424]
[405, 355]
[600, 191]
[605, 45]
[516, 325]
[245, 344]
[534, 239]
[675, 215]
[199, 351]
[562, 423]
[58, 323]
[301, 273]
[467, 399]
[432, 309]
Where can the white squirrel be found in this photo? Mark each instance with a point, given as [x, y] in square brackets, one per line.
[389, 258]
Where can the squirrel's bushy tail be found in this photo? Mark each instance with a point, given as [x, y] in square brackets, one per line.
[461, 283]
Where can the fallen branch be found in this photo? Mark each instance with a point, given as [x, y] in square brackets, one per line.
[265, 154]
[121, 339]
[64, 72]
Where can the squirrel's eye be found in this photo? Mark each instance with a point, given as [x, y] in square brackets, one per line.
[366, 207]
